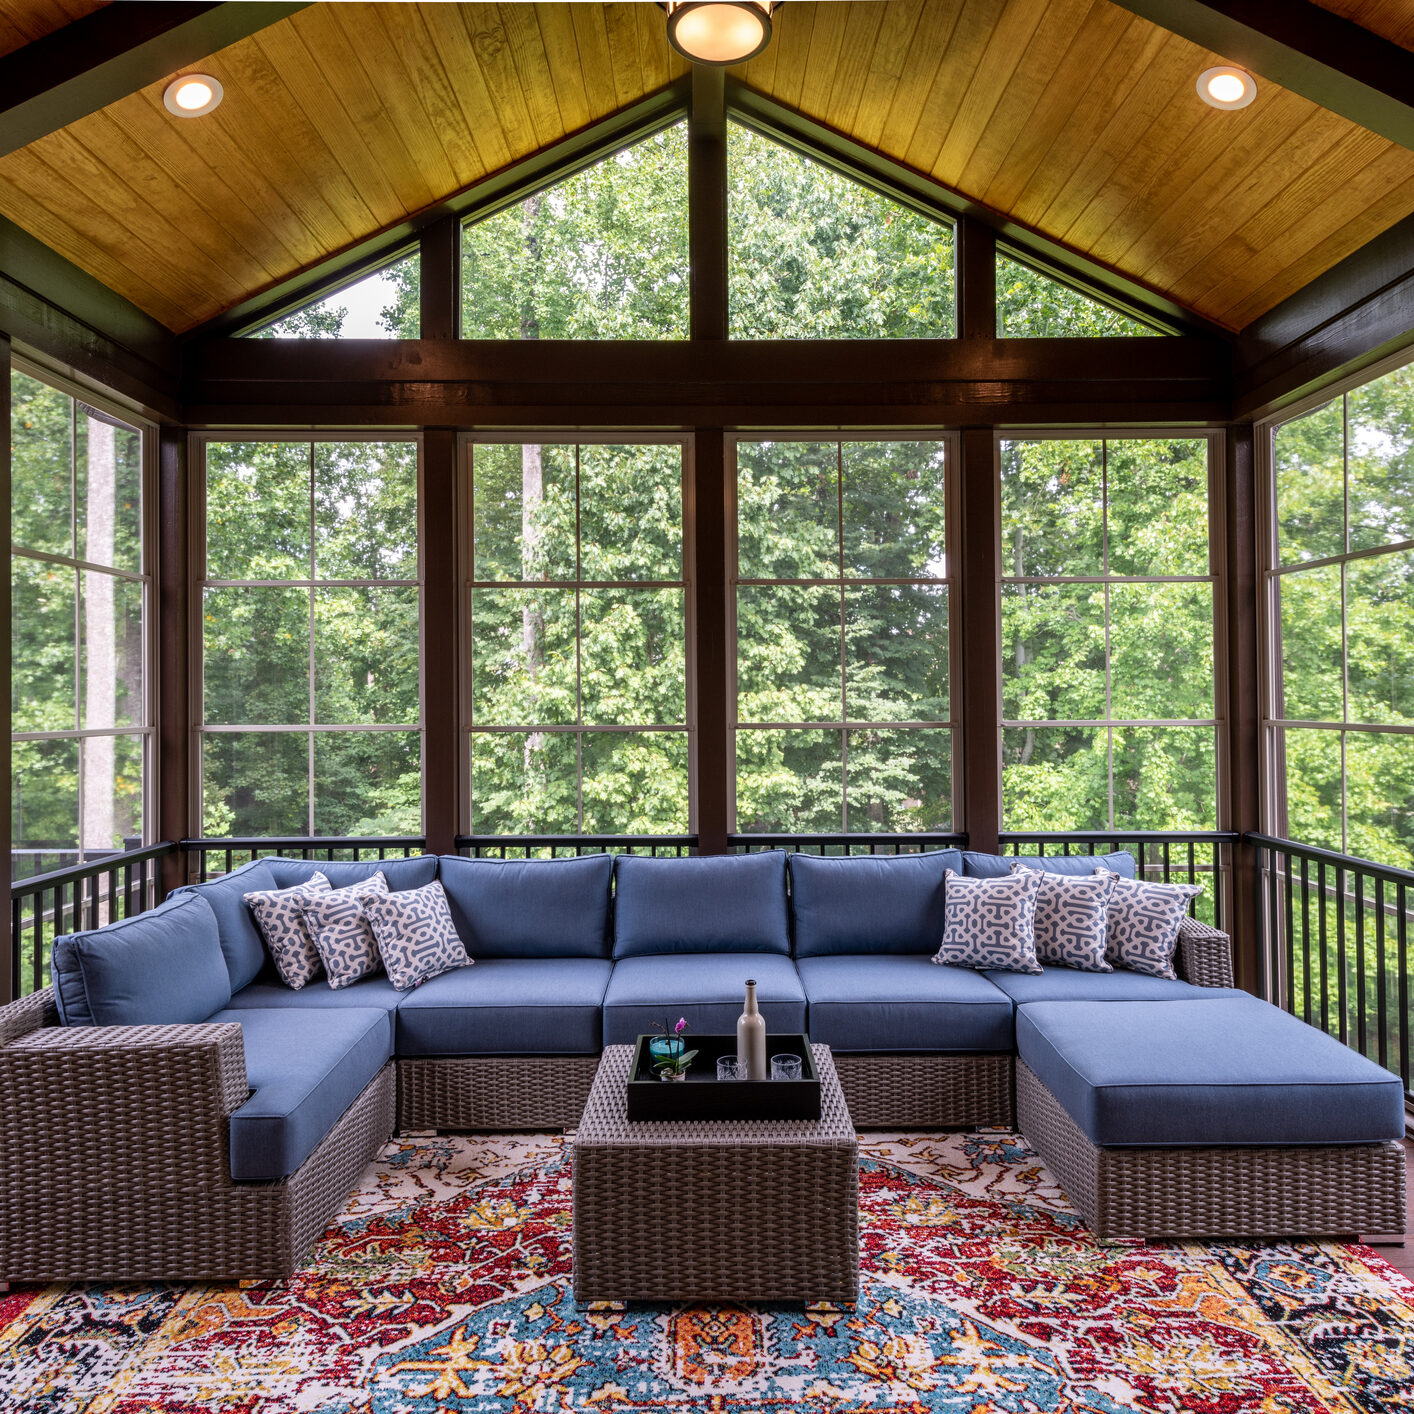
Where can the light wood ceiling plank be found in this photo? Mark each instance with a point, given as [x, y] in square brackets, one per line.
[24, 21]
[853, 66]
[496, 67]
[661, 64]
[897, 35]
[922, 65]
[964, 52]
[795, 27]
[595, 61]
[621, 23]
[452, 46]
[561, 50]
[826, 40]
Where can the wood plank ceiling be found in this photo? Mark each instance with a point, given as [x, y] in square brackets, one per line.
[1072, 116]
[1390, 19]
[24, 21]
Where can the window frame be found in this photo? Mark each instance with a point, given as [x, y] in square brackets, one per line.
[951, 441]
[199, 583]
[145, 576]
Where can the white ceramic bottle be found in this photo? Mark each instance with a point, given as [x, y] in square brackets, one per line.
[751, 1036]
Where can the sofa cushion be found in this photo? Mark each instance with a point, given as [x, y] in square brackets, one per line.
[240, 938]
[400, 874]
[903, 1003]
[722, 903]
[1064, 984]
[415, 935]
[507, 1006]
[709, 989]
[377, 992]
[1071, 914]
[1226, 1070]
[868, 903]
[164, 966]
[279, 915]
[530, 907]
[993, 866]
[990, 922]
[305, 1068]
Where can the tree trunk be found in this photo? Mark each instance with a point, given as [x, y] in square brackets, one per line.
[100, 667]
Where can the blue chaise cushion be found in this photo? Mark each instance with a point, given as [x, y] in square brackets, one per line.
[401, 874]
[1063, 984]
[993, 866]
[241, 942]
[866, 903]
[709, 989]
[718, 904]
[530, 907]
[507, 1006]
[903, 1003]
[305, 1067]
[1225, 1070]
[163, 967]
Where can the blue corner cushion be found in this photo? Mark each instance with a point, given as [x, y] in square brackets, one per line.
[375, 992]
[899, 1003]
[725, 903]
[866, 903]
[240, 938]
[991, 866]
[709, 989]
[163, 967]
[1229, 1070]
[507, 1006]
[401, 874]
[1066, 984]
[305, 1068]
[530, 907]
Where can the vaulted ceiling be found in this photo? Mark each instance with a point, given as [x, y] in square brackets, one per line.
[1076, 118]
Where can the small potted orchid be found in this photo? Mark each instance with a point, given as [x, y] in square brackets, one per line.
[670, 1060]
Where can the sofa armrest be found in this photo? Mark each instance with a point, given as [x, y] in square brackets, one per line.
[120, 1104]
[1204, 955]
[28, 1014]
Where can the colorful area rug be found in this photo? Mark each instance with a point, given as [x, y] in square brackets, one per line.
[444, 1288]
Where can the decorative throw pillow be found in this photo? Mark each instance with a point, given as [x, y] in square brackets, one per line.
[1142, 925]
[1070, 918]
[340, 931]
[990, 922]
[279, 914]
[415, 933]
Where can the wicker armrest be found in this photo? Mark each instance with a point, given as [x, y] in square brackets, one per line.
[1204, 955]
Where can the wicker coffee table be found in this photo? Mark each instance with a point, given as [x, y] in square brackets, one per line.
[745, 1210]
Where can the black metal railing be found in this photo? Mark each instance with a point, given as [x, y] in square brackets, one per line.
[1334, 933]
[563, 846]
[1202, 857]
[853, 843]
[75, 898]
[231, 854]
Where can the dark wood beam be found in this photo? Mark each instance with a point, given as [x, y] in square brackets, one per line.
[842, 382]
[173, 767]
[7, 946]
[111, 53]
[714, 765]
[65, 317]
[976, 280]
[439, 279]
[979, 621]
[1357, 313]
[1311, 51]
[707, 204]
[442, 793]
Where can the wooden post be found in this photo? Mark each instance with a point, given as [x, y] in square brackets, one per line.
[979, 621]
[707, 204]
[715, 776]
[439, 281]
[7, 961]
[976, 280]
[442, 794]
[178, 765]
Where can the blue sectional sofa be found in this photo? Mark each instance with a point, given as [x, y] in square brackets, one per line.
[245, 1110]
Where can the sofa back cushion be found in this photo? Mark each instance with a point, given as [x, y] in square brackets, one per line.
[414, 873]
[997, 866]
[530, 907]
[868, 903]
[241, 942]
[722, 903]
[163, 967]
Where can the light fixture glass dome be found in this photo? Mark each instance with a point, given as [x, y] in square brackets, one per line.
[192, 95]
[1226, 86]
[719, 31]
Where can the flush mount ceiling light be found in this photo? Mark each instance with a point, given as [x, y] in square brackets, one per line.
[192, 95]
[1226, 87]
[719, 31]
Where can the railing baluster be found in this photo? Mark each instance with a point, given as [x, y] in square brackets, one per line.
[17, 919]
[1341, 988]
[1324, 942]
[1381, 970]
[1362, 1039]
[1290, 940]
[1402, 928]
[1306, 939]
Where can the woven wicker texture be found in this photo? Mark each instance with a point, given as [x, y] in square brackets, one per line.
[494, 1092]
[28, 1014]
[756, 1210]
[1179, 1194]
[1204, 955]
[926, 1092]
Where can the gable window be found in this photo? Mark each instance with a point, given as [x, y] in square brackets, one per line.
[383, 305]
[1033, 305]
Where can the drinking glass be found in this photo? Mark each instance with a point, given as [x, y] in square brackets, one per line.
[785, 1067]
[730, 1068]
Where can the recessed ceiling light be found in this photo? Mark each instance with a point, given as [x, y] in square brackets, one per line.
[192, 95]
[1226, 87]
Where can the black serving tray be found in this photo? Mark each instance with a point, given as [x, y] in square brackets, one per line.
[702, 1096]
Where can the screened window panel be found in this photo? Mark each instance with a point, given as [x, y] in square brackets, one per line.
[42, 466]
[1033, 305]
[1053, 508]
[367, 783]
[525, 783]
[1381, 456]
[383, 305]
[365, 510]
[1056, 778]
[524, 512]
[791, 781]
[630, 512]
[631, 783]
[1309, 466]
[257, 511]
[1053, 652]
[366, 658]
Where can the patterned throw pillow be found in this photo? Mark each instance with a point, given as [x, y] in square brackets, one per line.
[1070, 918]
[415, 933]
[1142, 925]
[279, 914]
[990, 922]
[341, 932]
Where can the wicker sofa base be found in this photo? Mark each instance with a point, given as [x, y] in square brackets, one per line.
[494, 1092]
[1180, 1194]
[926, 1091]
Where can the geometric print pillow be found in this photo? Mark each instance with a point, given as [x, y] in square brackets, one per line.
[1142, 925]
[1070, 919]
[340, 931]
[280, 919]
[415, 933]
[990, 922]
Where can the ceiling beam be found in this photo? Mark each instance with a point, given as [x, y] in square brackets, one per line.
[1320, 55]
[111, 53]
